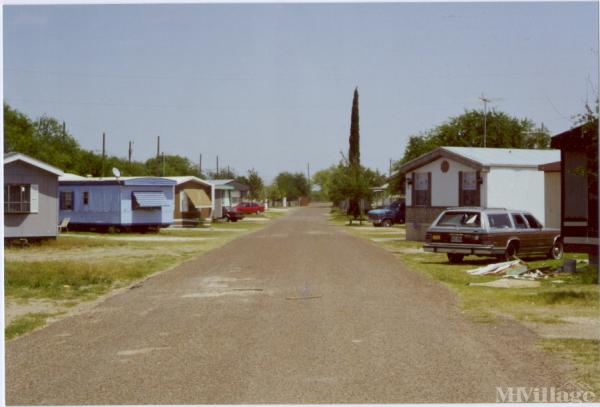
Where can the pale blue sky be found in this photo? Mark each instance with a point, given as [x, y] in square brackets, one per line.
[270, 86]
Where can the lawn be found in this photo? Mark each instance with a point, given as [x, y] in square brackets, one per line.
[558, 301]
[81, 266]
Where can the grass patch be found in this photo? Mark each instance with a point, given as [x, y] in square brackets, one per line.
[26, 323]
[583, 354]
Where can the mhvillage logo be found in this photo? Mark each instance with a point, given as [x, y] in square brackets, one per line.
[570, 392]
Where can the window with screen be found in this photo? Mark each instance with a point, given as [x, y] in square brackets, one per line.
[17, 198]
[422, 189]
[469, 191]
[66, 200]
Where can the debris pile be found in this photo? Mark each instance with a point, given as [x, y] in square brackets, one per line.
[513, 269]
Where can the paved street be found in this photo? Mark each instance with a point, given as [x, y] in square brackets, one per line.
[298, 312]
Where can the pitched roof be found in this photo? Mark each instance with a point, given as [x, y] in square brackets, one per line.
[15, 156]
[480, 158]
[183, 179]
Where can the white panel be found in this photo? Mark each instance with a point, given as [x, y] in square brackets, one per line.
[444, 185]
[34, 198]
[517, 189]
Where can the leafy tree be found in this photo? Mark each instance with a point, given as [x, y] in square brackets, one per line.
[466, 130]
[171, 165]
[223, 173]
[18, 132]
[254, 182]
[292, 185]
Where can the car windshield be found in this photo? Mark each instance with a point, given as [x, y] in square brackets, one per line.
[460, 218]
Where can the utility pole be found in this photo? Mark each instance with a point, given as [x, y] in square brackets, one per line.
[130, 152]
[64, 130]
[228, 172]
[485, 102]
[308, 176]
[163, 164]
[103, 153]
[158, 156]
[390, 170]
[200, 166]
[217, 165]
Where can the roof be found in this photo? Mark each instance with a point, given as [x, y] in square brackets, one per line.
[187, 178]
[578, 138]
[73, 179]
[221, 183]
[15, 156]
[484, 158]
[550, 167]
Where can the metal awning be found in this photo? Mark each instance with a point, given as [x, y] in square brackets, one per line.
[199, 197]
[150, 199]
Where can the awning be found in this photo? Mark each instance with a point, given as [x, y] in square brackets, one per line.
[150, 199]
[199, 197]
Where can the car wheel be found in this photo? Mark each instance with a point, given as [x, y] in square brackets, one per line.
[556, 252]
[455, 257]
[386, 223]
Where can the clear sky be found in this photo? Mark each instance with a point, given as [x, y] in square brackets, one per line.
[270, 86]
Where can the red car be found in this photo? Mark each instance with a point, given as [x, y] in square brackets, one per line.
[249, 207]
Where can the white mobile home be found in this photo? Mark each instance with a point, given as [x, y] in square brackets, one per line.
[471, 176]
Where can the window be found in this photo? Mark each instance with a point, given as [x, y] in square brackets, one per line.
[499, 221]
[86, 197]
[18, 198]
[66, 200]
[460, 219]
[421, 188]
[519, 221]
[533, 222]
[469, 188]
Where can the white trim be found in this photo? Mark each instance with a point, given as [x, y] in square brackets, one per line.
[34, 206]
[580, 240]
[184, 179]
[12, 157]
[584, 223]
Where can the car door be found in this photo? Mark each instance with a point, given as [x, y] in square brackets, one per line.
[527, 238]
[542, 240]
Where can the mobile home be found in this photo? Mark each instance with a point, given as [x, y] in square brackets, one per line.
[30, 198]
[124, 203]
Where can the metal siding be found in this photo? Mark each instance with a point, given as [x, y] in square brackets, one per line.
[103, 209]
[41, 224]
[513, 188]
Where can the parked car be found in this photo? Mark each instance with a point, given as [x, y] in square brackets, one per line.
[387, 216]
[231, 214]
[491, 232]
[250, 207]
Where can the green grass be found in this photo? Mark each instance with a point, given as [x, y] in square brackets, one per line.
[582, 354]
[25, 324]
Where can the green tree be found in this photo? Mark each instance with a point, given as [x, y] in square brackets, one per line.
[292, 185]
[466, 130]
[18, 132]
[354, 139]
[254, 182]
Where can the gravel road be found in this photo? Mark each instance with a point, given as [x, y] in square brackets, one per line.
[298, 312]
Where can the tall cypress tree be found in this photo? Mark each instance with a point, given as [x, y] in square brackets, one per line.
[354, 156]
[354, 151]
